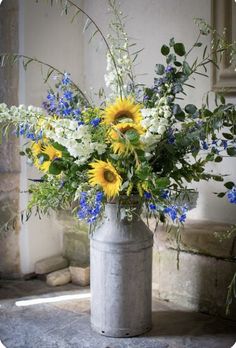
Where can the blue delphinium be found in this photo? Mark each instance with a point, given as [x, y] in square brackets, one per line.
[152, 206]
[171, 211]
[170, 137]
[177, 214]
[183, 216]
[95, 122]
[224, 144]
[25, 131]
[231, 195]
[204, 145]
[90, 209]
[165, 194]
[66, 80]
[147, 195]
[169, 69]
[68, 95]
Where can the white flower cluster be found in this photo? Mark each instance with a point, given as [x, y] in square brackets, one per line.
[156, 121]
[76, 139]
[20, 114]
[123, 65]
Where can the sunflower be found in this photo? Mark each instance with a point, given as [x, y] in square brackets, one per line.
[119, 135]
[45, 149]
[105, 175]
[122, 109]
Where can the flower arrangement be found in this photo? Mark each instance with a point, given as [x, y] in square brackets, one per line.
[140, 140]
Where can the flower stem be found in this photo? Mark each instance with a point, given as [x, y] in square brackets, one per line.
[31, 59]
[105, 41]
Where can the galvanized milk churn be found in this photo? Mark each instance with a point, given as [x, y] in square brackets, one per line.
[121, 274]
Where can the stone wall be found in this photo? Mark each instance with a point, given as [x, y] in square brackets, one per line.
[207, 264]
[9, 149]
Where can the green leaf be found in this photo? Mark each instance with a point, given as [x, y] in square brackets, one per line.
[177, 64]
[186, 68]
[160, 69]
[176, 109]
[217, 178]
[162, 182]
[143, 173]
[218, 159]
[125, 185]
[172, 42]
[132, 135]
[231, 151]
[171, 58]
[180, 117]
[190, 109]
[114, 156]
[207, 113]
[221, 194]
[165, 50]
[179, 49]
[198, 44]
[204, 52]
[229, 185]
[59, 147]
[227, 136]
[178, 113]
[222, 99]
[55, 167]
[233, 129]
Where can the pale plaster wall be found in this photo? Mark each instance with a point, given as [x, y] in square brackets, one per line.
[50, 37]
[47, 35]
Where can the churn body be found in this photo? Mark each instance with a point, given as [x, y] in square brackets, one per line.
[121, 274]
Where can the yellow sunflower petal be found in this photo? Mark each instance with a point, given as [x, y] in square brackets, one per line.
[117, 133]
[44, 148]
[106, 176]
[122, 109]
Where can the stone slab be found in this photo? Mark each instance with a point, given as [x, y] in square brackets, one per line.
[66, 324]
[200, 284]
[50, 264]
[80, 275]
[202, 237]
[57, 278]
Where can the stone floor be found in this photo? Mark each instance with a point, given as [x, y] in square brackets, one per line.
[60, 322]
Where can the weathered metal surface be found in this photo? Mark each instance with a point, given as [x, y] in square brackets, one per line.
[121, 275]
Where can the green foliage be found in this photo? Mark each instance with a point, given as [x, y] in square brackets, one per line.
[179, 49]
[165, 50]
[160, 69]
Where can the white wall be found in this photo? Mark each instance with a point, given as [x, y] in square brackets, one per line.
[45, 34]
[50, 37]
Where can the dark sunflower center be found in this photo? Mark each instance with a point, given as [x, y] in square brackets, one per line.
[109, 176]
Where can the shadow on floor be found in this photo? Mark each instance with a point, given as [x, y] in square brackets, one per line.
[184, 323]
[10, 289]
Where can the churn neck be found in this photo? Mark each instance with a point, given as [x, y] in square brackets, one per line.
[124, 208]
